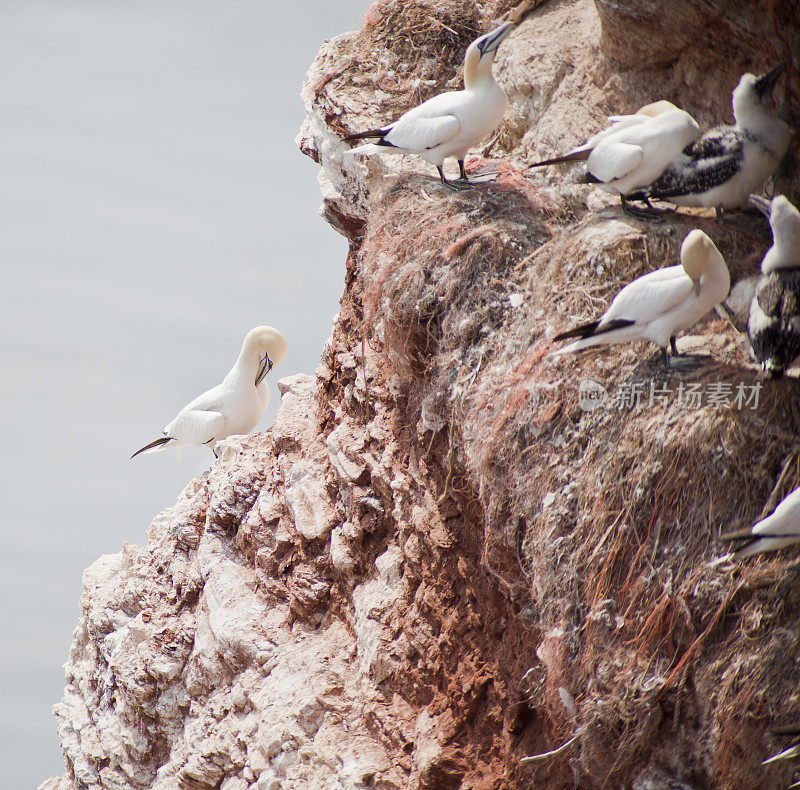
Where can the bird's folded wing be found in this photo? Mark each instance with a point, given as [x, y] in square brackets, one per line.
[784, 520]
[196, 426]
[725, 141]
[618, 123]
[422, 133]
[706, 163]
[611, 160]
[651, 296]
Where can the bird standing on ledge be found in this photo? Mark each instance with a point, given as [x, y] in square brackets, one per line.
[773, 326]
[233, 407]
[634, 151]
[451, 123]
[658, 305]
[728, 163]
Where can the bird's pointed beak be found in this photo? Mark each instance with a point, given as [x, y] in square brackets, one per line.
[762, 204]
[263, 368]
[491, 41]
[696, 285]
[766, 82]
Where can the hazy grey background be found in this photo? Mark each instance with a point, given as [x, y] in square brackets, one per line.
[153, 208]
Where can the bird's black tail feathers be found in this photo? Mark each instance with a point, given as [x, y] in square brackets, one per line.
[588, 178]
[365, 135]
[792, 729]
[740, 535]
[590, 330]
[156, 443]
[575, 156]
[745, 538]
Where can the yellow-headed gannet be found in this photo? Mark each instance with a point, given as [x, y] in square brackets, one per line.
[727, 163]
[233, 407]
[773, 326]
[780, 528]
[658, 305]
[635, 150]
[451, 123]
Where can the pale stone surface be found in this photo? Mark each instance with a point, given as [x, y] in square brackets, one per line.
[182, 671]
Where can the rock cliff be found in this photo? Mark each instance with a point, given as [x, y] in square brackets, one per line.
[441, 558]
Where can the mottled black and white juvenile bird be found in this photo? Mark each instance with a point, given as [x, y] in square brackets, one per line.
[728, 163]
[773, 326]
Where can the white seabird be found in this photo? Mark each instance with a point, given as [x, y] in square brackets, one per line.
[233, 407]
[780, 528]
[658, 305]
[635, 150]
[451, 123]
[728, 163]
[789, 752]
[773, 325]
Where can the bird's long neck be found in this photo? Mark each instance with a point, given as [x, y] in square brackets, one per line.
[245, 368]
[759, 123]
[477, 69]
[781, 256]
[717, 272]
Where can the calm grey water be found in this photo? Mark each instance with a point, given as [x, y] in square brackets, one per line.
[153, 208]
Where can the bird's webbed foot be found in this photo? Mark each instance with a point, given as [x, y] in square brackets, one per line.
[649, 213]
[687, 362]
[457, 185]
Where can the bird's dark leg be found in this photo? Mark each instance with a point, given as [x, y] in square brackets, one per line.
[456, 186]
[682, 361]
[640, 213]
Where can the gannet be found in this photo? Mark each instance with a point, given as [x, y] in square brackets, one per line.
[773, 326]
[792, 731]
[727, 163]
[451, 123]
[658, 305]
[635, 150]
[233, 407]
[781, 528]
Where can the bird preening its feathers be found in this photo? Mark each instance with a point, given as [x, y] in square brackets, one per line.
[449, 124]
[234, 406]
[658, 305]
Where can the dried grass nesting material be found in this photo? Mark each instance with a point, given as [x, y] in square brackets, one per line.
[441, 268]
[415, 30]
